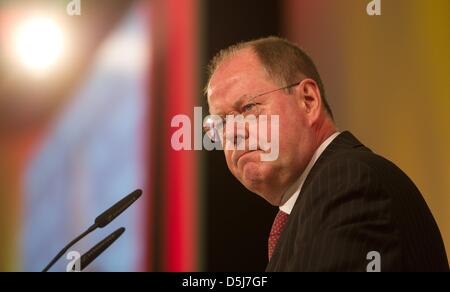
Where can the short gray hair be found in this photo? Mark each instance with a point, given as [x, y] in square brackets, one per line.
[284, 61]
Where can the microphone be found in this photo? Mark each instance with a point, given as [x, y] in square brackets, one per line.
[109, 215]
[97, 250]
[101, 221]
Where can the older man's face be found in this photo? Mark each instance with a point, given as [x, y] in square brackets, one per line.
[243, 75]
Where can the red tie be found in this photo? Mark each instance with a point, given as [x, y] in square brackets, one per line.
[275, 232]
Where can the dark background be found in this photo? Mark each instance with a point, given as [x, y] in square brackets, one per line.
[238, 221]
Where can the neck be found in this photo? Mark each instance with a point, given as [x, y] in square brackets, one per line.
[324, 129]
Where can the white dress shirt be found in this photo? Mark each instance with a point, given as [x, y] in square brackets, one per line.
[291, 195]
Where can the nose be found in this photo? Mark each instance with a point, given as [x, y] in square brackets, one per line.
[236, 133]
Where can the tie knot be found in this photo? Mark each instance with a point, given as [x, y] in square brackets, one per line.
[275, 232]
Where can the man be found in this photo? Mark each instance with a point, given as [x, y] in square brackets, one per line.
[342, 207]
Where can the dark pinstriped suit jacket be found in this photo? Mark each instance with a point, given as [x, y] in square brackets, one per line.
[353, 202]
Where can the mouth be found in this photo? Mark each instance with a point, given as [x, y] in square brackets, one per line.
[243, 154]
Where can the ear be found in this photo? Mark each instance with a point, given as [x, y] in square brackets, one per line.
[312, 100]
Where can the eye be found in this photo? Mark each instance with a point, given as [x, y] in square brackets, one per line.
[248, 107]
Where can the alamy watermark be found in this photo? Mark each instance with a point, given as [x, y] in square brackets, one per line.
[374, 264]
[374, 8]
[233, 132]
[74, 264]
[74, 8]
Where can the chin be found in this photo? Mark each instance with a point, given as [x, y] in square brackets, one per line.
[253, 175]
[256, 177]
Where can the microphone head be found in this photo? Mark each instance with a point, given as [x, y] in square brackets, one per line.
[109, 215]
[98, 249]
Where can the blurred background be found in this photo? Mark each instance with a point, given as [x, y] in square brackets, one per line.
[86, 103]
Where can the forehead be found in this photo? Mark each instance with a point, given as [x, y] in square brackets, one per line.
[237, 75]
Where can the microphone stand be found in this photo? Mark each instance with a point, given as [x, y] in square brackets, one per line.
[66, 248]
[101, 221]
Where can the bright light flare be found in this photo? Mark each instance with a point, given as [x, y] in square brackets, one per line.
[39, 43]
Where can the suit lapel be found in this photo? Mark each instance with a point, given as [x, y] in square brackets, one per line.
[342, 142]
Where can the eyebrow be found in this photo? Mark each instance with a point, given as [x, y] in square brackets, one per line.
[236, 105]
